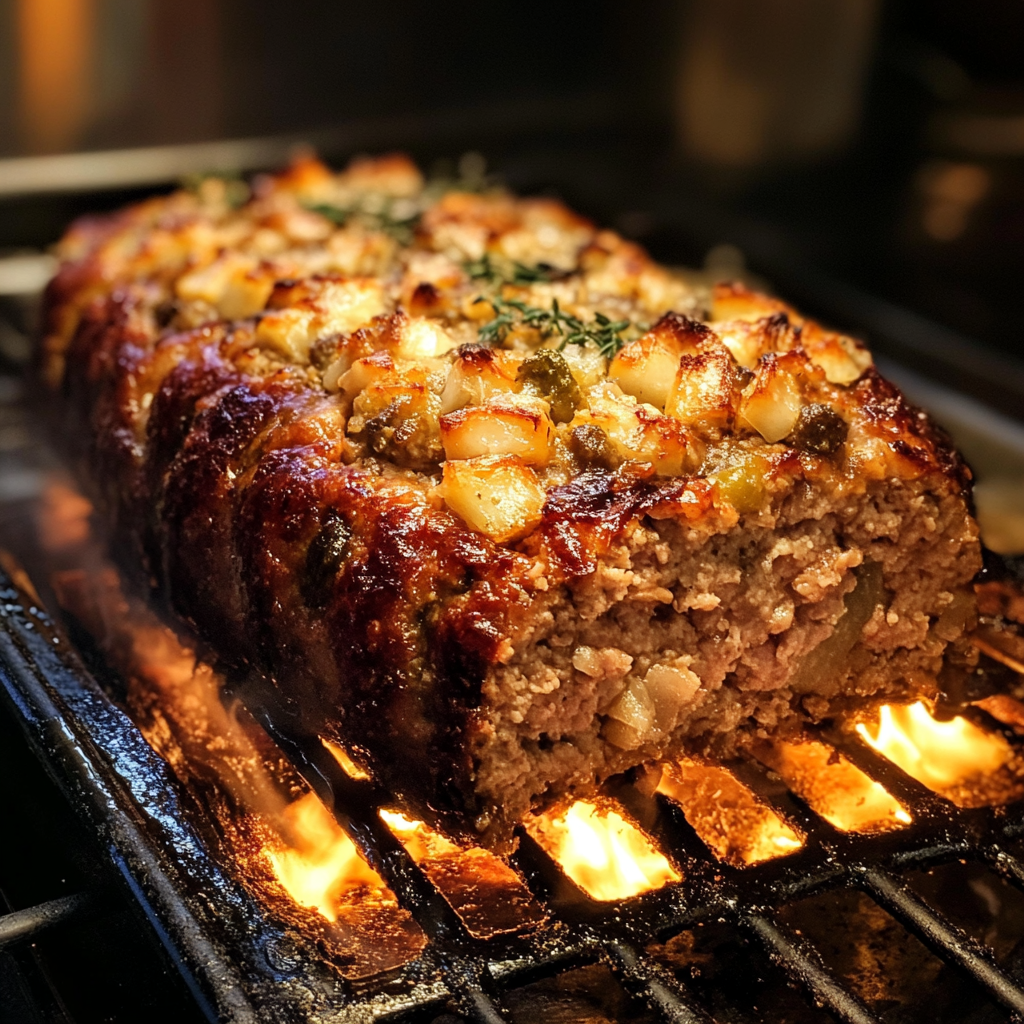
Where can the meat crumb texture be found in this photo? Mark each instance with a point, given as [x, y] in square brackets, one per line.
[491, 499]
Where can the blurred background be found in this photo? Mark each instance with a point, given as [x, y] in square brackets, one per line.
[863, 157]
[885, 137]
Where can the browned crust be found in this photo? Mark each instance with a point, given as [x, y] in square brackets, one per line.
[216, 481]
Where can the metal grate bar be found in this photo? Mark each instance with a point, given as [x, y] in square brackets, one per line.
[902, 786]
[475, 1005]
[945, 939]
[1005, 864]
[25, 925]
[354, 805]
[804, 966]
[647, 981]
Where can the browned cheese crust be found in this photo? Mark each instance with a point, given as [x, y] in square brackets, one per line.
[491, 498]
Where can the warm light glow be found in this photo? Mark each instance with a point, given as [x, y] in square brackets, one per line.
[734, 825]
[603, 853]
[55, 40]
[488, 896]
[279, 846]
[320, 862]
[420, 840]
[833, 787]
[940, 755]
[348, 766]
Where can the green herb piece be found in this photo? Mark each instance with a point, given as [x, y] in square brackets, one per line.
[400, 228]
[236, 189]
[547, 373]
[484, 269]
[602, 330]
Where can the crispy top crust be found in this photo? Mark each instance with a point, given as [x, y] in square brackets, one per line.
[354, 426]
[471, 336]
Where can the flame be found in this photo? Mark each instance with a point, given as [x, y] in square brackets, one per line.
[485, 892]
[940, 755]
[347, 765]
[422, 842]
[603, 853]
[834, 788]
[320, 864]
[734, 825]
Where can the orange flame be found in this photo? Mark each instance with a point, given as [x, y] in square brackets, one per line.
[603, 853]
[489, 897]
[345, 762]
[834, 788]
[321, 863]
[940, 755]
[421, 842]
[734, 825]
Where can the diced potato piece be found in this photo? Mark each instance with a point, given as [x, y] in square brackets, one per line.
[632, 718]
[420, 338]
[206, 284]
[748, 340]
[671, 688]
[245, 295]
[771, 403]
[346, 305]
[374, 369]
[735, 302]
[501, 427]
[496, 495]
[338, 307]
[842, 359]
[586, 363]
[639, 432]
[703, 393]
[477, 374]
[645, 369]
[290, 332]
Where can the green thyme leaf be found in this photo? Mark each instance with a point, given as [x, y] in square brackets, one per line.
[512, 272]
[509, 313]
[401, 228]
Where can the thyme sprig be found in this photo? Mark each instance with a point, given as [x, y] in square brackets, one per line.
[395, 217]
[398, 216]
[510, 313]
[484, 269]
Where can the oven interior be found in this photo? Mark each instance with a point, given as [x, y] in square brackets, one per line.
[916, 915]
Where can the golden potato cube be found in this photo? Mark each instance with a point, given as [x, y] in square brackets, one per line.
[496, 495]
[771, 403]
[703, 393]
[499, 428]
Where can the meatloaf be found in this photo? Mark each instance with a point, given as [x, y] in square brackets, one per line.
[489, 497]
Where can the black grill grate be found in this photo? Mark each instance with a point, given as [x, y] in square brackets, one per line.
[241, 965]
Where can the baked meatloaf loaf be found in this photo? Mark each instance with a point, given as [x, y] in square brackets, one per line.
[491, 498]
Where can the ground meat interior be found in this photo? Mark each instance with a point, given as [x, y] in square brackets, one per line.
[483, 493]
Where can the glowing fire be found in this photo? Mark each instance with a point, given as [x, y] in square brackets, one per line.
[734, 825]
[940, 755]
[176, 701]
[834, 788]
[321, 863]
[422, 842]
[347, 765]
[489, 897]
[602, 852]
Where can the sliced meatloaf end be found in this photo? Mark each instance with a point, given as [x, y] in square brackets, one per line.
[490, 498]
